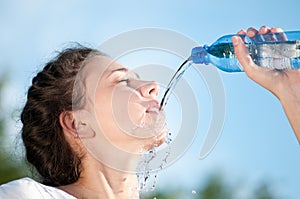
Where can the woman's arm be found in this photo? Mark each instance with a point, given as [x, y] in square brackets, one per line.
[284, 84]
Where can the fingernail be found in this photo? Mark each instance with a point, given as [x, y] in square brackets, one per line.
[251, 33]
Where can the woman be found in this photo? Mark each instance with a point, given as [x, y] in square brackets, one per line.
[284, 84]
[86, 122]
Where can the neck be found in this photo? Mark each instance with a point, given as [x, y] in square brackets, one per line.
[99, 181]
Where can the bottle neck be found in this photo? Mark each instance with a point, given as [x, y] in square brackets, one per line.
[199, 55]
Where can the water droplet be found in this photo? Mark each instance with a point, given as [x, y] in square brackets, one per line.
[194, 192]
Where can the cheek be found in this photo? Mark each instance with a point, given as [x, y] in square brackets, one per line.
[103, 111]
[119, 116]
[127, 111]
[119, 110]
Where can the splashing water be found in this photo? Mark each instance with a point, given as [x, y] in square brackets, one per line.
[143, 170]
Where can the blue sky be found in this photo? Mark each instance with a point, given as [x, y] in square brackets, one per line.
[257, 142]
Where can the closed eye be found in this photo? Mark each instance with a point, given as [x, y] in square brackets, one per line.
[128, 77]
[124, 80]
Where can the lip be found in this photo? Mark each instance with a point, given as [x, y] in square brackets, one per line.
[153, 107]
[152, 110]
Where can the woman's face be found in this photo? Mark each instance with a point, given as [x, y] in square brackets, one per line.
[127, 109]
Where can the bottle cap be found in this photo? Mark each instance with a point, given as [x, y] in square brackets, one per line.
[198, 55]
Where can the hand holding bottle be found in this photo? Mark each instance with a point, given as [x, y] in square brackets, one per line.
[273, 50]
[284, 84]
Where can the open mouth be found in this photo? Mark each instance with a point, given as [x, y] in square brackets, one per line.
[153, 110]
[153, 107]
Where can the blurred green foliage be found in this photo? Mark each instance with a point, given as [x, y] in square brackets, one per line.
[214, 187]
[11, 166]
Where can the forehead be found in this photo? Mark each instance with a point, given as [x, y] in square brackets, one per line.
[101, 64]
[95, 68]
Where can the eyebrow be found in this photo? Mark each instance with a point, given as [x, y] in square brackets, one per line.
[122, 70]
[116, 70]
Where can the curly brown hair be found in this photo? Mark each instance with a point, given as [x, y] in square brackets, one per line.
[49, 95]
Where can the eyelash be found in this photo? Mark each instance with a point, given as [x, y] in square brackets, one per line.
[124, 80]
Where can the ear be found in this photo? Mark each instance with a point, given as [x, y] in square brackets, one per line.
[67, 122]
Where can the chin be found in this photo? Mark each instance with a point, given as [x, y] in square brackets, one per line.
[156, 141]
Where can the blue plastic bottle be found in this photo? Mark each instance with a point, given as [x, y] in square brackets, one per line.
[273, 50]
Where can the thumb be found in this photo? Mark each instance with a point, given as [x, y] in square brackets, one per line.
[264, 77]
[242, 55]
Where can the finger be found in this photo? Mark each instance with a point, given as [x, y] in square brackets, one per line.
[279, 34]
[266, 34]
[276, 30]
[264, 30]
[242, 32]
[252, 33]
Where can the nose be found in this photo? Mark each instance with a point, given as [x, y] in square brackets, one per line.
[148, 89]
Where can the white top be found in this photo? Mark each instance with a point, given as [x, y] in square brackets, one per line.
[27, 188]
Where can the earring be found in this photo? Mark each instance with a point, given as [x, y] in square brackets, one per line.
[77, 134]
